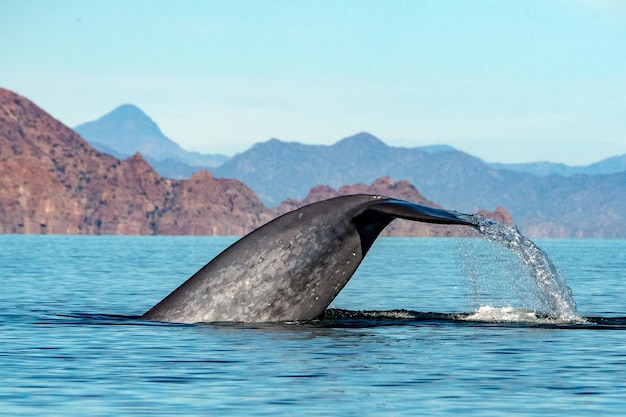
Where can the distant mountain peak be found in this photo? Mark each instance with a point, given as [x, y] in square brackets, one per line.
[132, 120]
[127, 129]
[276, 145]
[130, 110]
[362, 139]
[273, 142]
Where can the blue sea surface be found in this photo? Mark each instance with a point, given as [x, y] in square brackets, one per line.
[399, 340]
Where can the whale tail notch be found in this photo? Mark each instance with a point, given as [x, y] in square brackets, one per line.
[379, 214]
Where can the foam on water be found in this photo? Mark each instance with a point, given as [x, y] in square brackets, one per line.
[506, 315]
[553, 292]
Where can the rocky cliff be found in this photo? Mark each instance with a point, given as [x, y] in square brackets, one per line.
[53, 182]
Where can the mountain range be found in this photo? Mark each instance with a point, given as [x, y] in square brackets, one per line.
[127, 129]
[610, 165]
[53, 182]
[545, 199]
[542, 206]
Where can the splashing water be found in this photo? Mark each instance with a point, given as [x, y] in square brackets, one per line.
[554, 293]
[505, 315]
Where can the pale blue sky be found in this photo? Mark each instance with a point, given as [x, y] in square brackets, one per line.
[508, 81]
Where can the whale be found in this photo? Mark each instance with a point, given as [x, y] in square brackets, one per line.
[291, 268]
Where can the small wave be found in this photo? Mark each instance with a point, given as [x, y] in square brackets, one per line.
[95, 319]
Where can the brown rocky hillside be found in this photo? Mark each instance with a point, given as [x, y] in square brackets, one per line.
[53, 182]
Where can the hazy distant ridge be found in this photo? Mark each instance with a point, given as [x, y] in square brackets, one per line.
[545, 199]
[127, 130]
[553, 205]
[610, 165]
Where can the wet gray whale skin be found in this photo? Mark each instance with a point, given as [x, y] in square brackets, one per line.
[294, 266]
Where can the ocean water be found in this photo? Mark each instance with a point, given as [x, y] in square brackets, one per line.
[425, 327]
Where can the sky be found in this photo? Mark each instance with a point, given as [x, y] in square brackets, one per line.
[507, 81]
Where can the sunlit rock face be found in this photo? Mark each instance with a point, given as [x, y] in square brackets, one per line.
[54, 182]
